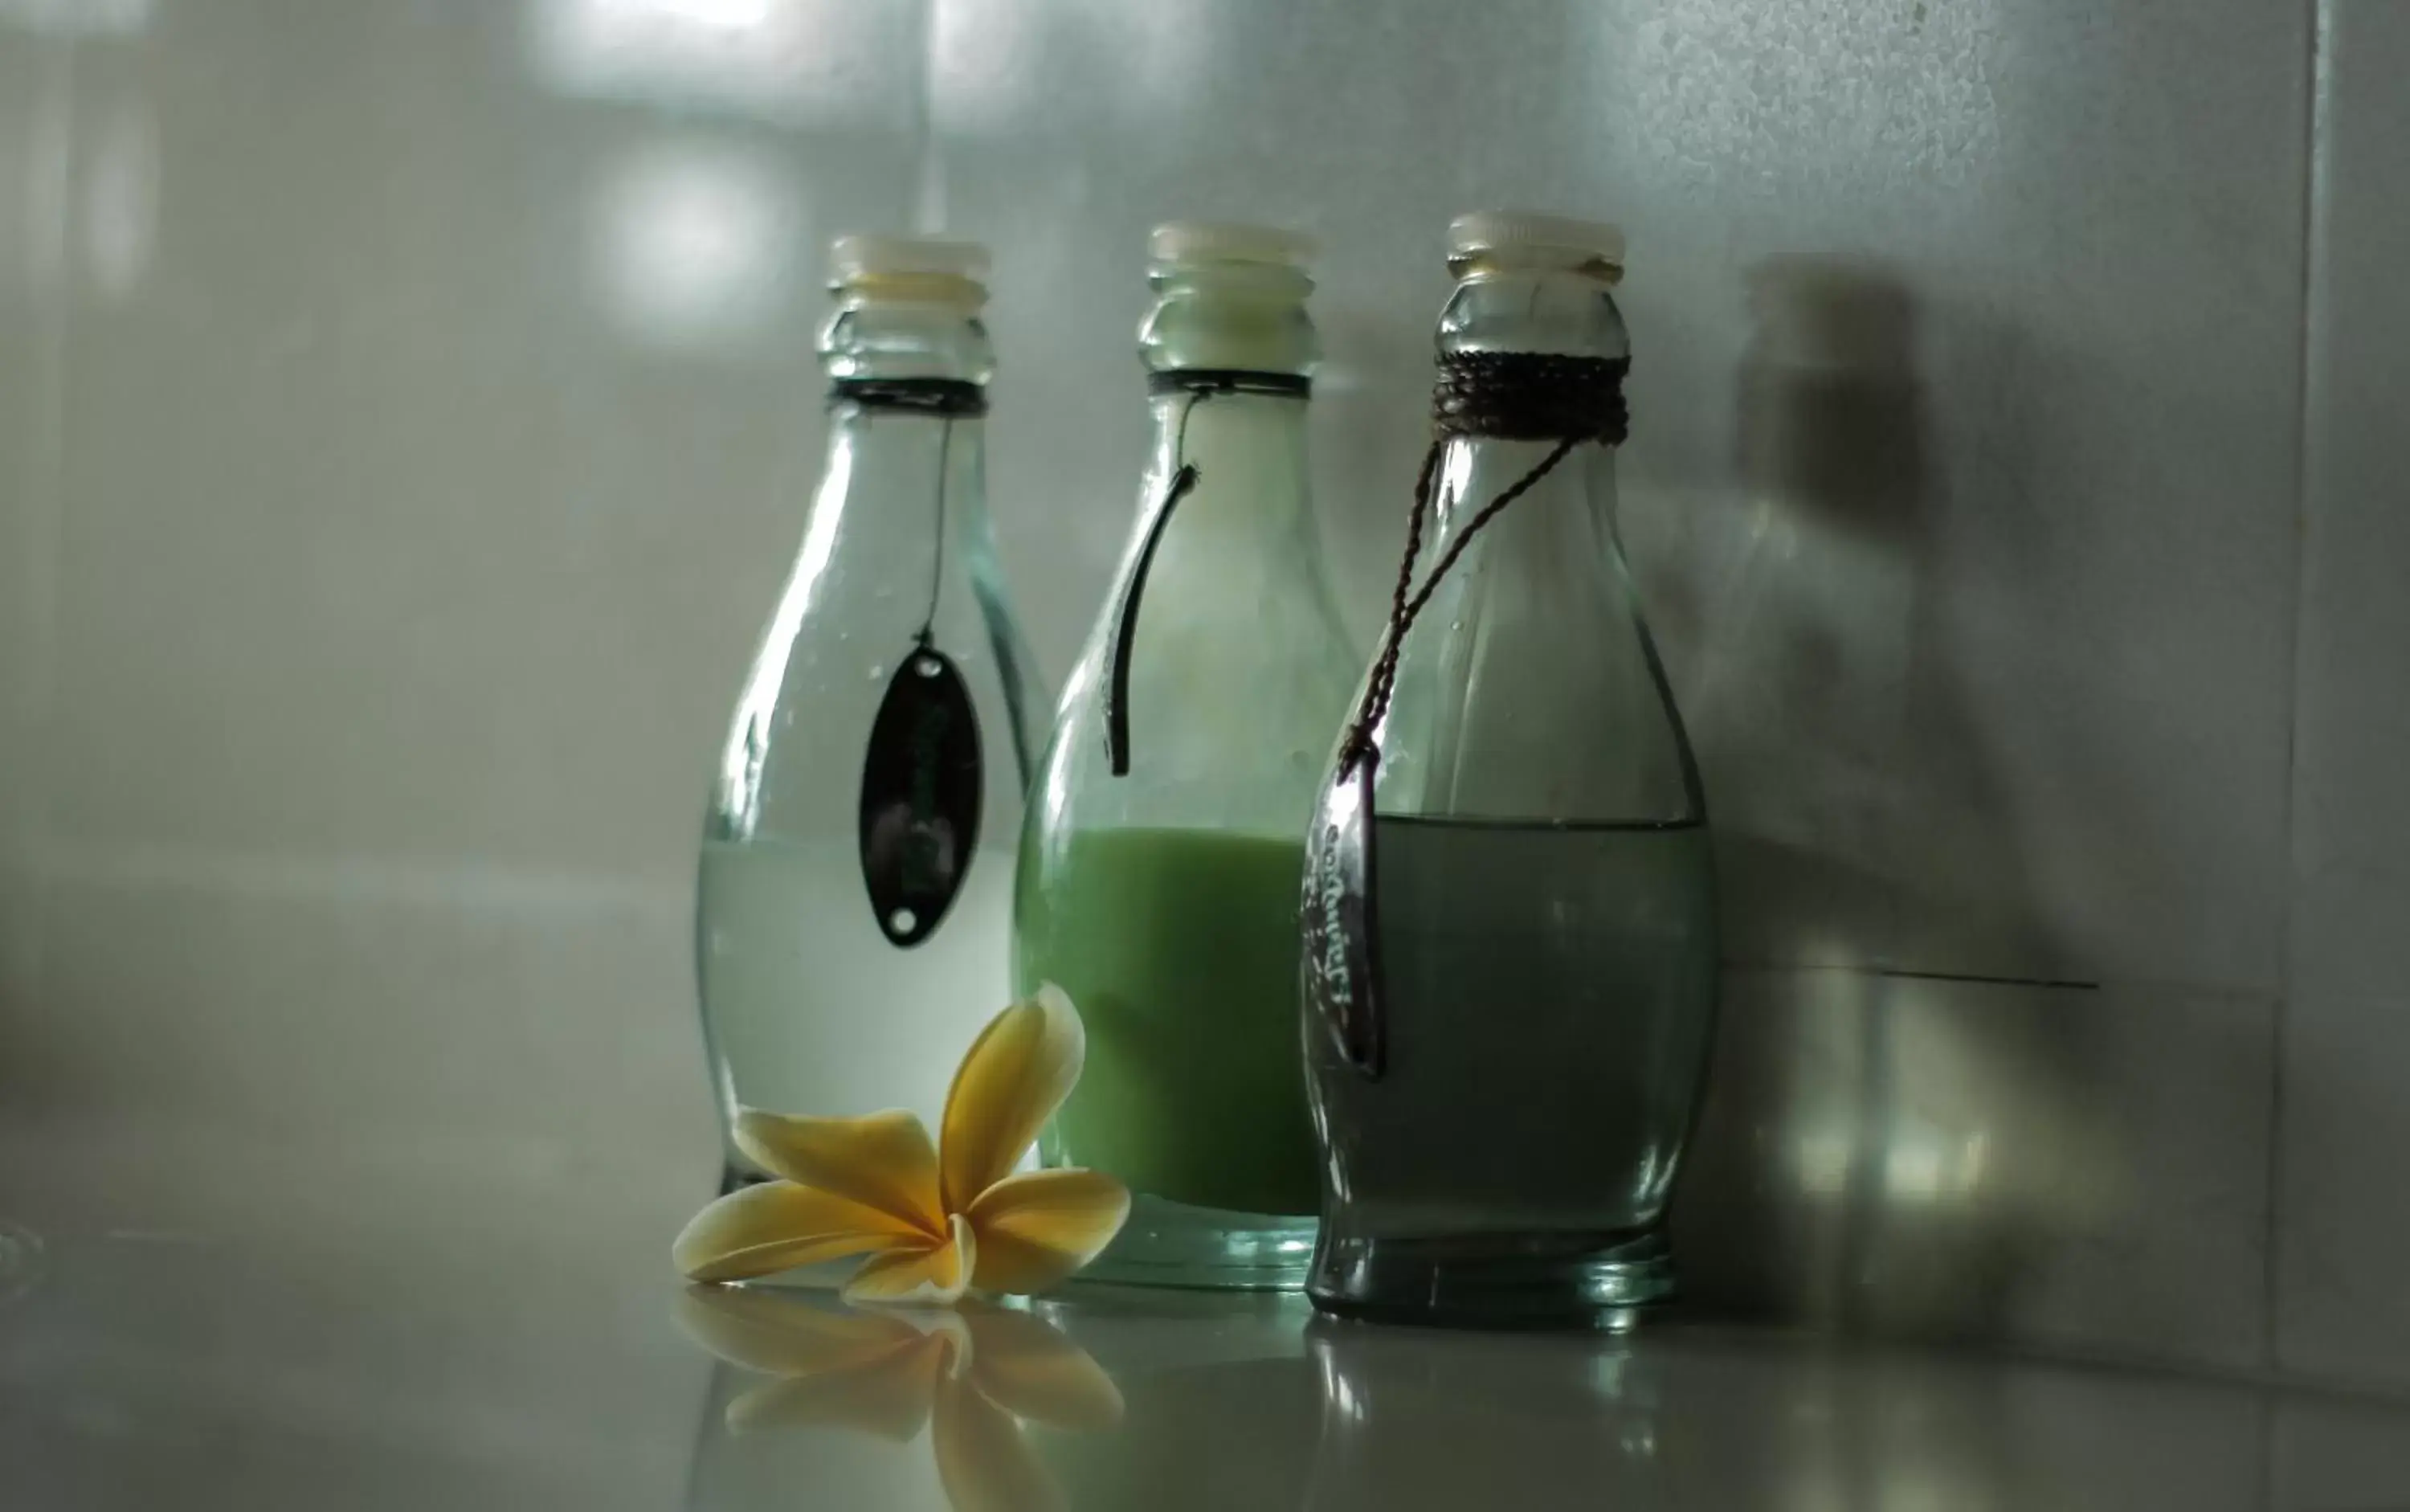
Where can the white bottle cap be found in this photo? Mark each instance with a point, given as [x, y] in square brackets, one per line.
[1511, 238]
[853, 258]
[1226, 242]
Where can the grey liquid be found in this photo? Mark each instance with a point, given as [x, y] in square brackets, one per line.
[1549, 994]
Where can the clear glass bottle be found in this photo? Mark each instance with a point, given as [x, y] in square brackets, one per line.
[1160, 867]
[1503, 1115]
[853, 912]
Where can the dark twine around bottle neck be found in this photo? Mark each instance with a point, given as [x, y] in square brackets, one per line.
[1531, 396]
[951, 399]
[1513, 395]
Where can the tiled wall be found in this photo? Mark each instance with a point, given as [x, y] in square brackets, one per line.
[405, 407]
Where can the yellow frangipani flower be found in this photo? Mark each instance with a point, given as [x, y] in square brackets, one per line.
[935, 1220]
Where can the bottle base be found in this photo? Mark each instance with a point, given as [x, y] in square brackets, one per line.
[1167, 1244]
[1163, 1244]
[1600, 1282]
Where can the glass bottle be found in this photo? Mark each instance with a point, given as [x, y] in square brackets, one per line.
[852, 911]
[1160, 867]
[1513, 963]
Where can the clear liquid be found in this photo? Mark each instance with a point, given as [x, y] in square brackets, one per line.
[809, 1009]
[1549, 992]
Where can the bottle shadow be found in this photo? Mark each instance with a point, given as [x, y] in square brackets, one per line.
[1893, 1108]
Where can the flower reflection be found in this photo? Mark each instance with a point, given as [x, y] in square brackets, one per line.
[972, 1375]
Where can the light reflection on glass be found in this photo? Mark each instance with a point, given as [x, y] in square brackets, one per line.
[78, 18]
[696, 244]
[120, 201]
[36, 161]
[740, 771]
[999, 64]
[783, 60]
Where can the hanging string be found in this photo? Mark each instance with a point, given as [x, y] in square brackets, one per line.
[1198, 385]
[943, 398]
[1517, 395]
[928, 635]
[1184, 481]
[1569, 402]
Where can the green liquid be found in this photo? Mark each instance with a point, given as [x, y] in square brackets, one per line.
[1181, 949]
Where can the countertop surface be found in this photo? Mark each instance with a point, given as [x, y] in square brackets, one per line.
[444, 1334]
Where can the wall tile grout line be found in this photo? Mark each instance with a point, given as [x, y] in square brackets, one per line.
[51, 285]
[2316, 134]
[2114, 986]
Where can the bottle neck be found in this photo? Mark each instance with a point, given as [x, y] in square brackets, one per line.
[907, 432]
[1529, 686]
[899, 453]
[1567, 520]
[1248, 446]
[1230, 352]
[875, 334]
[1530, 454]
[908, 490]
[1235, 318]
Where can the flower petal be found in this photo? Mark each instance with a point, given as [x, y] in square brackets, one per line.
[930, 1275]
[1037, 1227]
[884, 1162]
[1018, 1073]
[1032, 1370]
[775, 1226]
[783, 1332]
[983, 1461]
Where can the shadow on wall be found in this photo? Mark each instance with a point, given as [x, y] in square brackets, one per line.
[1802, 615]
[23, 1082]
[1893, 1155]
[1881, 1151]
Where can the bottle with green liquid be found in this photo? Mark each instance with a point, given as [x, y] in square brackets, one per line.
[1164, 845]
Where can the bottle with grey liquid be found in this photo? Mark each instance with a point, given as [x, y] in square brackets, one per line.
[1510, 909]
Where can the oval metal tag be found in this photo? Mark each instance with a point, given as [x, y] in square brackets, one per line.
[922, 785]
[1339, 917]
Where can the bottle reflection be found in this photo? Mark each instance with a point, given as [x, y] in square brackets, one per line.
[815, 1397]
[1223, 1408]
[1691, 1419]
[1491, 1420]
[1211, 1406]
[21, 1262]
